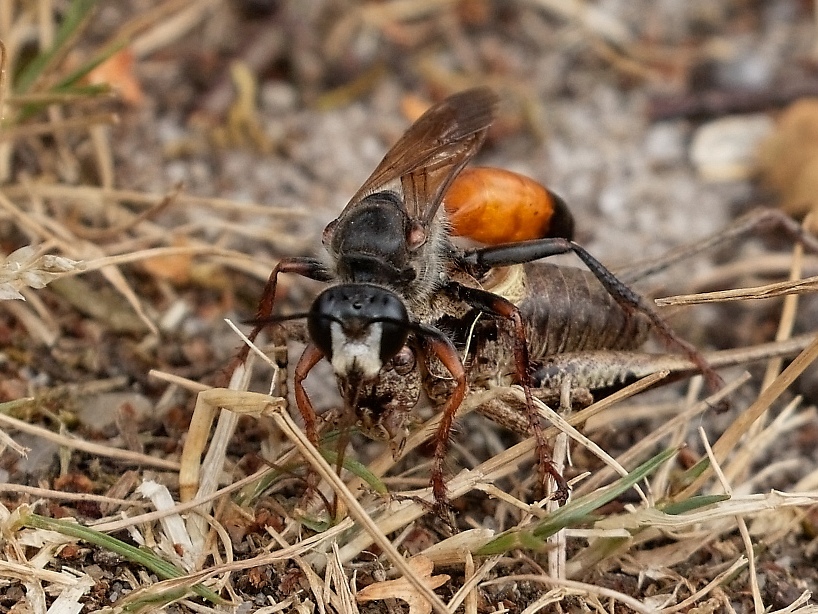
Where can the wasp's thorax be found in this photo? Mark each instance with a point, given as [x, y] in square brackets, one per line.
[368, 243]
[376, 242]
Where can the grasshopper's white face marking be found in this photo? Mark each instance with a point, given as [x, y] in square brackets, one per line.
[361, 355]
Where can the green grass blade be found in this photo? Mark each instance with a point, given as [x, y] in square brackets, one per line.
[253, 491]
[139, 556]
[357, 469]
[693, 503]
[687, 478]
[79, 11]
[572, 514]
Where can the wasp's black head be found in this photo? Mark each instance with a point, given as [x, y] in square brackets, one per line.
[358, 327]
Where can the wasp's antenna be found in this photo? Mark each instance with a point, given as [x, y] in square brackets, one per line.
[275, 319]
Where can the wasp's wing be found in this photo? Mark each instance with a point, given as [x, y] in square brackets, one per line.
[432, 151]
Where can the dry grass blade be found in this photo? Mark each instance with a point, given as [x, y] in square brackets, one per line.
[16, 570]
[170, 22]
[781, 288]
[467, 593]
[47, 493]
[103, 195]
[580, 588]
[710, 587]
[718, 509]
[788, 422]
[117, 231]
[3, 79]
[236, 258]
[184, 383]
[116, 525]
[8, 442]
[800, 605]
[758, 603]
[207, 404]
[730, 438]
[73, 443]
[786, 322]
[32, 130]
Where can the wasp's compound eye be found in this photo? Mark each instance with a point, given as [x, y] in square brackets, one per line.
[358, 325]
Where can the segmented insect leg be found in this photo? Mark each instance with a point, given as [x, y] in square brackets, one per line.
[498, 306]
[306, 267]
[310, 357]
[436, 344]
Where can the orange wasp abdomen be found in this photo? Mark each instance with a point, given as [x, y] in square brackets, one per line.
[495, 206]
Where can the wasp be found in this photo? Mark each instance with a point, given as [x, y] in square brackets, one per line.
[401, 294]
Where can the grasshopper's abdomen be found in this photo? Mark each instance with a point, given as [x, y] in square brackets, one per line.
[566, 309]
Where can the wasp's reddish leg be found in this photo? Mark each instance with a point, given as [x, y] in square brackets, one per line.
[529, 251]
[309, 358]
[310, 268]
[436, 344]
[493, 304]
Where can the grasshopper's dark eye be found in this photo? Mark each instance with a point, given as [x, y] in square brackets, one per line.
[358, 326]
